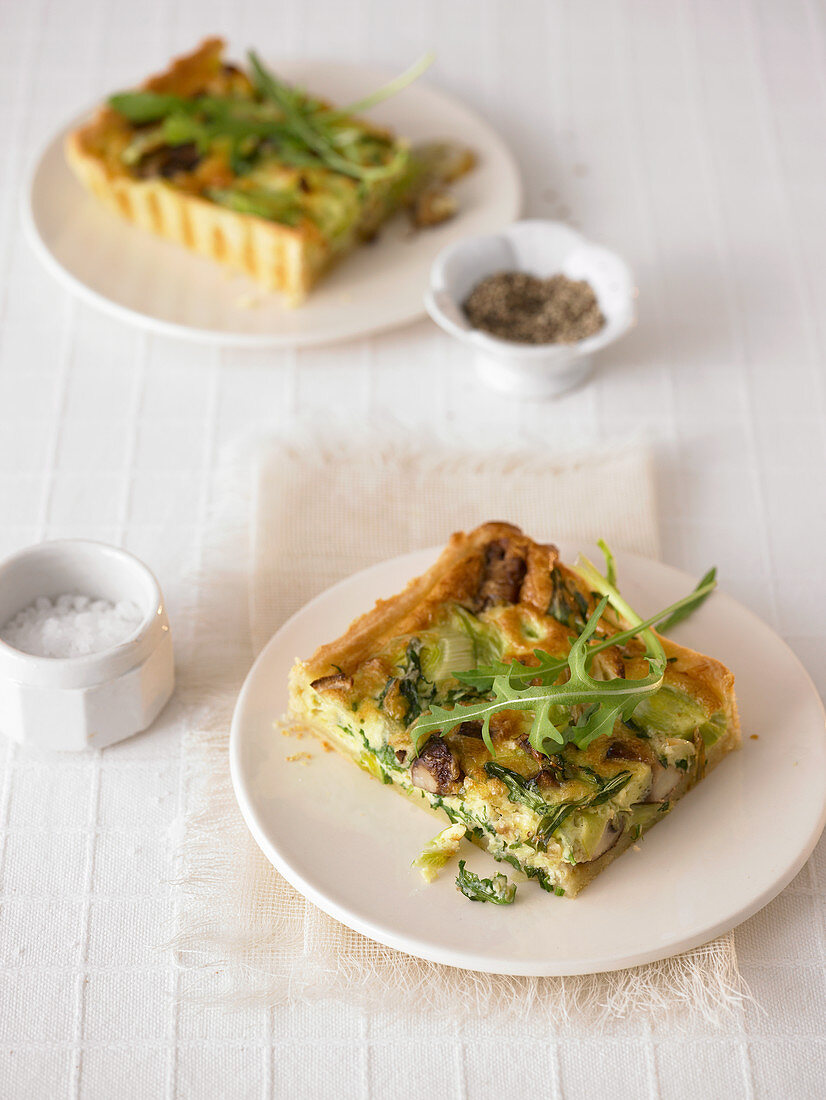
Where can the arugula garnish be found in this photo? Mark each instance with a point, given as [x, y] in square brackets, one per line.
[551, 703]
[314, 128]
[536, 689]
[610, 564]
[705, 586]
[305, 131]
[496, 889]
[393, 87]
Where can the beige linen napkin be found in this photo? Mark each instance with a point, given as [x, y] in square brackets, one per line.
[295, 519]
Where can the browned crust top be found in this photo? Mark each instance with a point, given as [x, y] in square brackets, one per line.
[456, 576]
[184, 76]
[479, 566]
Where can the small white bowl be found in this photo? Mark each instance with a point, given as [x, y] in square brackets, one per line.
[542, 248]
[95, 700]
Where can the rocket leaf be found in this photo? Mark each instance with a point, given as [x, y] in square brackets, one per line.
[535, 688]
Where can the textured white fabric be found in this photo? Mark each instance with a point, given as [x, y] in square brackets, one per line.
[320, 510]
[690, 137]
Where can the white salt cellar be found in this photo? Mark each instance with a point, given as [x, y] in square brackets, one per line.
[102, 610]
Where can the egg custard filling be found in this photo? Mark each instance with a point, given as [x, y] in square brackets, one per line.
[524, 700]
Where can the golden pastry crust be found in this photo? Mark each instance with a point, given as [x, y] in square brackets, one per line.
[456, 575]
[515, 591]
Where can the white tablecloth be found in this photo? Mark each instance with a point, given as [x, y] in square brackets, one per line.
[689, 136]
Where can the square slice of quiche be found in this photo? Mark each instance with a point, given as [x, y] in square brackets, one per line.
[261, 176]
[524, 699]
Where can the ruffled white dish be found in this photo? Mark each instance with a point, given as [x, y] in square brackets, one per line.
[542, 248]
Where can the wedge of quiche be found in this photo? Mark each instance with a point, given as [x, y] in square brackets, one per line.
[525, 700]
[258, 175]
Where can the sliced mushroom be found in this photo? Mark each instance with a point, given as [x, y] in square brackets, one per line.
[532, 752]
[471, 729]
[611, 834]
[610, 664]
[663, 782]
[502, 725]
[504, 571]
[628, 750]
[663, 778]
[168, 161]
[436, 769]
[553, 771]
[546, 780]
[335, 682]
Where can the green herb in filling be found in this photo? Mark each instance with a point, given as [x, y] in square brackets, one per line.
[497, 889]
[518, 789]
[557, 814]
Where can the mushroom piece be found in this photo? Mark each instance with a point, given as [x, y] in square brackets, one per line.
[505, 569]
[502, 725]
[533, 754]
[335, 682]
[628, 750]
[611, 834]
[436, 769]
[470, 729]
[546, 780]
[168, 160]
[663, 782]
[608, 664]
[663, 778]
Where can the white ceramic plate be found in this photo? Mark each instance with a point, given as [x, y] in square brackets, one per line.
[346, 842]
[161, 286]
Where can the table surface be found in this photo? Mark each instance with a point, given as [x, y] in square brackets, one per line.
[690, 136]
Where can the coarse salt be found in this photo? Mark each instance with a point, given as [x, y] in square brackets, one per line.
[71, 625]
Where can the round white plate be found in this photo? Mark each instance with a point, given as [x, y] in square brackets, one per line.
[161, 286]
[346, 841]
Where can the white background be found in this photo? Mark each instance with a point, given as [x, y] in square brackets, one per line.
[688, 136]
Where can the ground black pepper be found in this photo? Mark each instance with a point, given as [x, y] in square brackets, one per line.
[514, 305]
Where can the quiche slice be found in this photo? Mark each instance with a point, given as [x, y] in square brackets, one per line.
[523, 699]
[251, 172]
